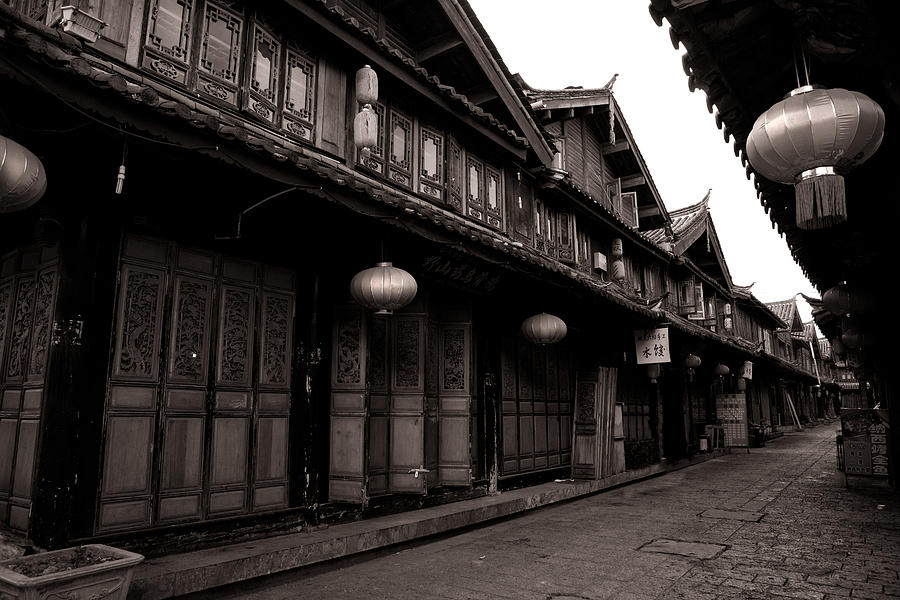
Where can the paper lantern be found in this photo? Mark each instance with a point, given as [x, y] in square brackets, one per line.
[366, 85]
[721, 370]
[616, 248]
[653, 371]
[808, 139]
[23, 180]
[742, 384]
[365, 128]
[852, 338]
[617, 270]
[692, 361]
[544, 329]
[843, 299]
[384, 288]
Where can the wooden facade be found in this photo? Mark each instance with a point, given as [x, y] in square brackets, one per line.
[185, 358]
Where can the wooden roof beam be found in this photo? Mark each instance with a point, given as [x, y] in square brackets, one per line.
[438, 45]
[633, 181]
[607, 148]
[480, 94]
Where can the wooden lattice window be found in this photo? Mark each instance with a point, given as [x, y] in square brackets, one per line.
[493, 197]
[299, 95]
[474, 187]
[168, 41]
[264, 70]
[431, 162]
[220, 53]
[454, 175]
[400, 142]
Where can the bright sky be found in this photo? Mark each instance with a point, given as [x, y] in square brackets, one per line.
[584, 42]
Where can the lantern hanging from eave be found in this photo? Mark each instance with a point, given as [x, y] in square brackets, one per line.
[544, 329]
[843, 300]
[721, 370]
[837, 347]
[853, 338]
[653, 371]
[23, 180]
[691, 361]
[366, 85]
[365, 128]
[808, 139]
[384, 288]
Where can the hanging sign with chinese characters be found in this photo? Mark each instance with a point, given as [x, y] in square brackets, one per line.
[652, 346]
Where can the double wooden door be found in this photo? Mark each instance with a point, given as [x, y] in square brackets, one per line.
[197, 410]
[401, 402]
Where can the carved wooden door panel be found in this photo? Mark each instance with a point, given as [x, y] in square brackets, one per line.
[455, 399]
[406, 459]
[347, 457]
[594, 450]
[195, 407]
[28, 283]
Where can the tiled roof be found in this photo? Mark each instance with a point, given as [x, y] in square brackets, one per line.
[684, 220]
[569, 93]
[784, 309]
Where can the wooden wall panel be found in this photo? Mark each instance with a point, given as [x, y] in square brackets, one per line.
[129, 444]
[574, 151]
[331, 111]
[182, 453]
[271, 448]
[229, 451]
[7, 453]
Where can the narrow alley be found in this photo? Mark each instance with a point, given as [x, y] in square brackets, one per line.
[773, 523]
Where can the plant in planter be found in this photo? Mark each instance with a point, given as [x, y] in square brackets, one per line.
[89, 572]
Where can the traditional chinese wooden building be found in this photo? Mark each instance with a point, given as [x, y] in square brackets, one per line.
[181, 359]
[746, 57]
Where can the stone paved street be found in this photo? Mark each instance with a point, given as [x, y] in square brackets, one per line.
[775, 523]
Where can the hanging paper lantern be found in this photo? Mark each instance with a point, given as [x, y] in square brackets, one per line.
[365, 128]
[384, 287]
[653, 371]
[366, 85]
[843, 299]
[721, 370]
[22, 177]
[544, 329]
[617, 270]
[742, 384]
[616, 248]
[852, 338]
[808, 139]
[692, 361]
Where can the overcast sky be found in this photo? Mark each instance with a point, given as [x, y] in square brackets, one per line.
[584, 42]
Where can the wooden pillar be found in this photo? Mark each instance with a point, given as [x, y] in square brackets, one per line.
[76, 368]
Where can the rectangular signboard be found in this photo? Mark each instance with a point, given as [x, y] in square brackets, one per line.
[652, 346]
[731, 411]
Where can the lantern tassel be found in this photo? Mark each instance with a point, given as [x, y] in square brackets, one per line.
[820, 201]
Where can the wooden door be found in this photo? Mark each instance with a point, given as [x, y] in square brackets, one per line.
[406, 456]
[594, 453]
[195, 428]
[347, 474]
[28, 289]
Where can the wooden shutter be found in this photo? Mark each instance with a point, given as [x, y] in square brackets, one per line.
[594, 450]
[455, 178]
[331, 112]
[407, 410]
[455, 398]
[629, 210]
[347, 476]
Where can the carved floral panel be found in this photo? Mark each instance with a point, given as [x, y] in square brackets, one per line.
[453, 351]
[43, 317]
[5, 296]
[407, 364]
[348, 359]
[188, 357]
[138, 348]
[235, 324]
[276, 352]
[21, 328]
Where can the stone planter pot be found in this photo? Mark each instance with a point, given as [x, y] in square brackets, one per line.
[89, 572]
